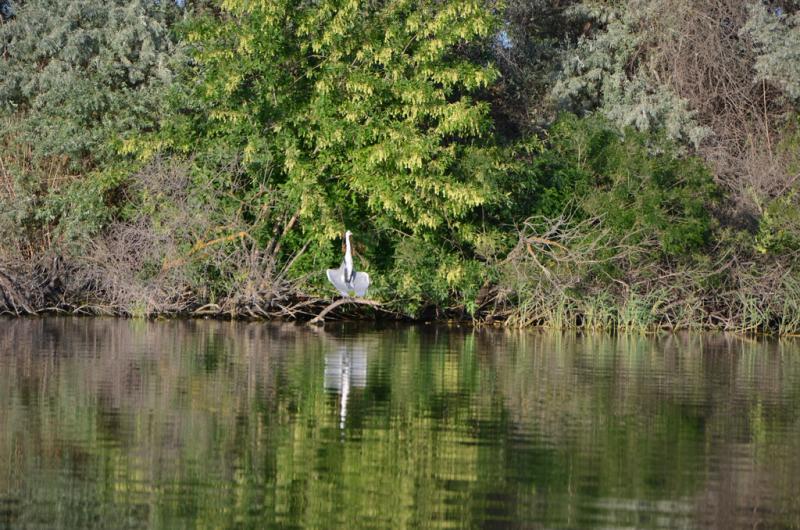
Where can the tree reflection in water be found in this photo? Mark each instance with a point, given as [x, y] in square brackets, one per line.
[110, 423]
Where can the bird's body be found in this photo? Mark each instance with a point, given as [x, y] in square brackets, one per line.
[345, 278]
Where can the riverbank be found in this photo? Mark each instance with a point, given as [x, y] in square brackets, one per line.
[61, 289]
[765, 303]
[575, 172]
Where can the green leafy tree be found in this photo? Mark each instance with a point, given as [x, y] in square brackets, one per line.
[527, 51]
[339, 114]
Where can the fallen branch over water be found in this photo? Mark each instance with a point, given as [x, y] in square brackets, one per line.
[341, 301]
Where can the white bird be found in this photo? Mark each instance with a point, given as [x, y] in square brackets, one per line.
[345, 278]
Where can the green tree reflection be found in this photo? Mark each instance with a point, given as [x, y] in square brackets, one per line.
[198, 424]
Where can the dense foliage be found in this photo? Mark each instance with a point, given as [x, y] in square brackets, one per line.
[362, 116]
[77, 77]
[613, 164]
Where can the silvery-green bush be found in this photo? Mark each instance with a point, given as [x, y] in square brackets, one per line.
[606, 71]
[776, 35]
[78, 77]
[77, 74]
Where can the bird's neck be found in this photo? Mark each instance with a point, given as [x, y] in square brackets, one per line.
[348, 257]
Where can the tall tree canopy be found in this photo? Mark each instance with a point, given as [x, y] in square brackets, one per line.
[349, 110]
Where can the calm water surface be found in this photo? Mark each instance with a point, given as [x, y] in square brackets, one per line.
[199, 424]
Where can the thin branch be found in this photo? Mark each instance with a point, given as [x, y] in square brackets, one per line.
[349, 300]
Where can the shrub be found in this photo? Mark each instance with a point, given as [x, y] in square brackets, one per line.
[641, 186]
[77, 78]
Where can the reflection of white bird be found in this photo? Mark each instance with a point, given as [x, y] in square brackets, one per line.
[345, 278]
[345, 366]
[345, 391]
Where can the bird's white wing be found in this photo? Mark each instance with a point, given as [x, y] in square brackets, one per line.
[361, 283]
[336, 277]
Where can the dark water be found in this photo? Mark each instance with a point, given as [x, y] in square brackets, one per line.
[200, 424]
